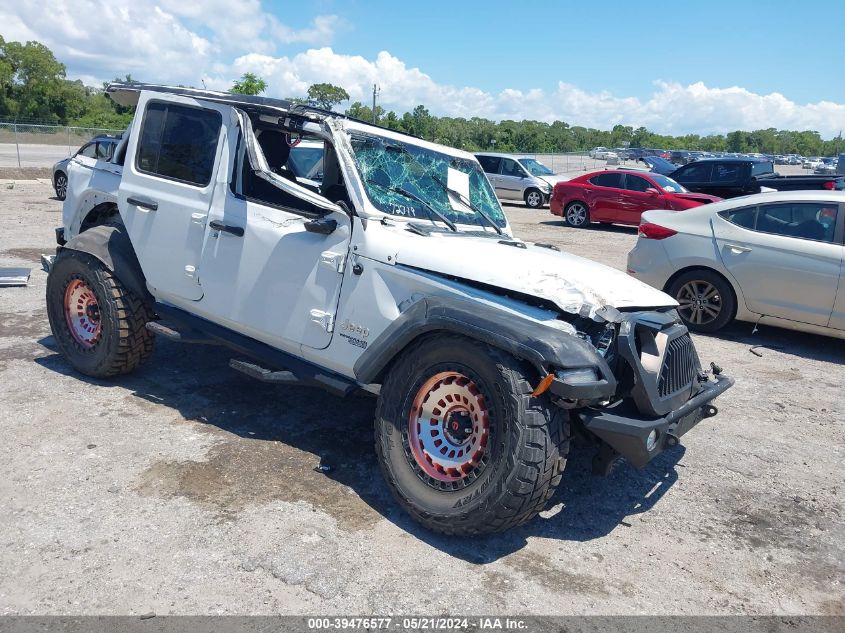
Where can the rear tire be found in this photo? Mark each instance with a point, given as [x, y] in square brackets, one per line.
[708, 302]
[514, 446]
[577, 214]
[99, 324]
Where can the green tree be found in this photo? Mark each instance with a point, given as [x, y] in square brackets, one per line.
[327, 96]
[249, 84]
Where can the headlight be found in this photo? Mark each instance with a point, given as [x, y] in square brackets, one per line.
[581, 376]
[546, 187]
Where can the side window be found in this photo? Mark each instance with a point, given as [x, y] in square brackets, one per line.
[490, 164]
[608, 180]
[804, 220]
[635, 183]
[103, 150]
[696, 172]
[741, 217]
[179, 142]
[726, 173]
[88, 150]
[511, 168]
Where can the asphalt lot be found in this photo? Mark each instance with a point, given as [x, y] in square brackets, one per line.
[188, 488]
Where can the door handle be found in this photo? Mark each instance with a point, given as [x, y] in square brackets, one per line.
[141, 203]
[237, 231]
[738, 249]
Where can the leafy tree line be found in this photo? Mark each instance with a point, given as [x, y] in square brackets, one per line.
[34, 87]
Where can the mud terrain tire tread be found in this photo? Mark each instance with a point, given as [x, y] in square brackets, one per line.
[126, 343]
[539, 433]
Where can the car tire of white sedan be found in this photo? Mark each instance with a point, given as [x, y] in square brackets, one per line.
[533, 199]
[577, 214]
[463, 445]
[707, 302]
[60, 185]
[99, 325]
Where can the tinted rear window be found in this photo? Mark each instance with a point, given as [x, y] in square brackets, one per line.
[608, 180]
[179, 142]
[490, 164]
[761, 168]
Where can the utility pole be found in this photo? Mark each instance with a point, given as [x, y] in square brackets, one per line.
[376, 91]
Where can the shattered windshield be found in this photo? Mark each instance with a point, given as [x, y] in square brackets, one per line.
[535, 167]
[413, 182]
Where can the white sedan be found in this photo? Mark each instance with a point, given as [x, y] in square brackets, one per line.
[775, 258]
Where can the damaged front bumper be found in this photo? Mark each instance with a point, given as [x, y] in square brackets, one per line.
[640, 439]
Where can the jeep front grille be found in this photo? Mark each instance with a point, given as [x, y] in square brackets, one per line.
[679, 366]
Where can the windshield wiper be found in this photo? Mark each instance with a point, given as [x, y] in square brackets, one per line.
[404, 150]
[467, 202]
[407, 194]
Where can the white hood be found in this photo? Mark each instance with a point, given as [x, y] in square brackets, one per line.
[574, 284]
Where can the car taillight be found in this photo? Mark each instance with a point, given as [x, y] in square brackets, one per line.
[655, 232]
[829, 185]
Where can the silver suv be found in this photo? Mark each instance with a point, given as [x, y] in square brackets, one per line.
[519, 178]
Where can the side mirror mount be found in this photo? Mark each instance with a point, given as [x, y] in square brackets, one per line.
[652, 192]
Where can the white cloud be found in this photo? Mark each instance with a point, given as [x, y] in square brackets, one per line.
[672, 108]
[168, 41]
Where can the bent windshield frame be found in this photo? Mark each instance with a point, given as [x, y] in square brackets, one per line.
[390, 167]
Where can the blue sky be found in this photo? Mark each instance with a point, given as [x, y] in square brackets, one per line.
[792, 47]
[672, 66]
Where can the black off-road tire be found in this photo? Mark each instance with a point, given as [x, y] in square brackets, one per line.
[124, 343]
[704, 279]
[528, 444]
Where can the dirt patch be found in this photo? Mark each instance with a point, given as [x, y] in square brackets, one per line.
[540, 569]
[30, 254]
[25, 173]
[30, 326]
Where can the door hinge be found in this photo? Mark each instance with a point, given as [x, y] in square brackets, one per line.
[337, 261]
[325, 319]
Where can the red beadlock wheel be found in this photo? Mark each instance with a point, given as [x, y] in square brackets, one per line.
[82, 313]
[448, 427]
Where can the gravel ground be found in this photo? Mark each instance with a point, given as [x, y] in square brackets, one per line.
[186, 488]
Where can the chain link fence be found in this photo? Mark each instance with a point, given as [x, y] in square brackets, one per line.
[30, 145]
[573, 162]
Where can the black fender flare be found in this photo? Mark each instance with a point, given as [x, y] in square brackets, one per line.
[111, 245]
[540, 345]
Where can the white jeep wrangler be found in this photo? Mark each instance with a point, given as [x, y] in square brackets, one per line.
[397, 275]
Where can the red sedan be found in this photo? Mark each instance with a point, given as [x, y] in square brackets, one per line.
[619, 196]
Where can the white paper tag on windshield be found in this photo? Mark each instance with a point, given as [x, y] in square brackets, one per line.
[458, 181]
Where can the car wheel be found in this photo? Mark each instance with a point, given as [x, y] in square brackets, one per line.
[533, 199]
[706, 301]
[60, 185]
[463, 445]
[99, 325]
[577, 214]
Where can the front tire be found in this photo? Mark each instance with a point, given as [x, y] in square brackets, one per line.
[707, 302]
[577, 214]
[98, 323]
[533, 199]
[462, 444]
[60, 185]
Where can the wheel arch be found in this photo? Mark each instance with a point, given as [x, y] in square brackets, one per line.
[536, 344]
[111, 245]
[739, 300]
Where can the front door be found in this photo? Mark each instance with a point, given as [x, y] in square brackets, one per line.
[784, 258]
[263, 273]
[639, 196]
[172, 162]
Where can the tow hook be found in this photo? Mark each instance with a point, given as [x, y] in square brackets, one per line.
[716, 369]
[708, 411]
